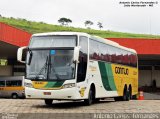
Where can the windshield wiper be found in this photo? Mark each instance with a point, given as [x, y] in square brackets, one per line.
[51, 66]
[44, 67]
[57, 76]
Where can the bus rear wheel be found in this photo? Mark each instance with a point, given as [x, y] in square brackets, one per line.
[48, 102]
[126, 95]
[118, 98]
[130, 92]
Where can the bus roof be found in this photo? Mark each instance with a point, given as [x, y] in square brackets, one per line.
[97, 38]
[61, 33]
[115, 44]
[12, 78]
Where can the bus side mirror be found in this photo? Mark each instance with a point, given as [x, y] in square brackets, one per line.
[76, 54]
[20, 54]
[29, 58]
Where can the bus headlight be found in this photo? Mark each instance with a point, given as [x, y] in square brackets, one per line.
[28, 85]
[70, 85]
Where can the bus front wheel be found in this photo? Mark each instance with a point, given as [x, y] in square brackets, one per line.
[91, 97]
[48, 102]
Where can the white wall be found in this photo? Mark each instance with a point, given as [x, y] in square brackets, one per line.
[144, 78]
[156, 76]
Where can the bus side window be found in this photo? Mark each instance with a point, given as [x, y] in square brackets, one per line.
[13, 83]
[83, 58]
[2, 83]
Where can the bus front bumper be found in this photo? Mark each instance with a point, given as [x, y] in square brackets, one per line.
[66, 94]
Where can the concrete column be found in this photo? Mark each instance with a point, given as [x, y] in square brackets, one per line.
[152, 75]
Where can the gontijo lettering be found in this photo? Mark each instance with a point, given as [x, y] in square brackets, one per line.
[121, 70]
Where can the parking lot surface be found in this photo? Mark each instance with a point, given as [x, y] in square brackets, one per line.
[105, 106]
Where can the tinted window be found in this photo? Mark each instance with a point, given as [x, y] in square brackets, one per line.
[2, 83]
[119, 56]
[83, 56]
[133, 60]
[103, 52]
[94, 50]
[13, 83]
[108, 53]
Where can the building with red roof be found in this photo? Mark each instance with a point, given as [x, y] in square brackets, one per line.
[11, 39]
[142, 46]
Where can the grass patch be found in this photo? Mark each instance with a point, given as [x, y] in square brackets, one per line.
[40, 27]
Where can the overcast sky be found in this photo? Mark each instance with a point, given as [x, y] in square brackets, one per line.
[112, 14]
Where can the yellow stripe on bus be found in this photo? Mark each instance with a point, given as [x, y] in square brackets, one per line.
[39, 84]
[11, 88]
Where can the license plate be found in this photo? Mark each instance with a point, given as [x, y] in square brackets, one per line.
[47, 93]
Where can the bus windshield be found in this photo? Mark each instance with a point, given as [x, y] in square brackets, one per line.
[50, 57]
[52, 41]
[50, 65]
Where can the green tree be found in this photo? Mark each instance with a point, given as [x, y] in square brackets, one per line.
[88, 23]
[64, 21]
[100, 25]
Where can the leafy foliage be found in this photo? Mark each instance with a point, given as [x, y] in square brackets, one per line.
[88, 23]
[100, 25]
[64, 21]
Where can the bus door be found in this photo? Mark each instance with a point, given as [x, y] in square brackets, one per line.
[82, 65]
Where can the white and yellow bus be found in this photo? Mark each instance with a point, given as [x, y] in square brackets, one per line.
[78, 66]
[12, 87]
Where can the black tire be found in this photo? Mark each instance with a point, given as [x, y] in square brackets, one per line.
[48, 102]
[91, 97]
[125, 97]
[118, 98]
[15, 96]
[130, 92]
[134, 97]
[128, 96]
[96, 100]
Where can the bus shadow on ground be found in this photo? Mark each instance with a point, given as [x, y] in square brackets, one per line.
[70, 105]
